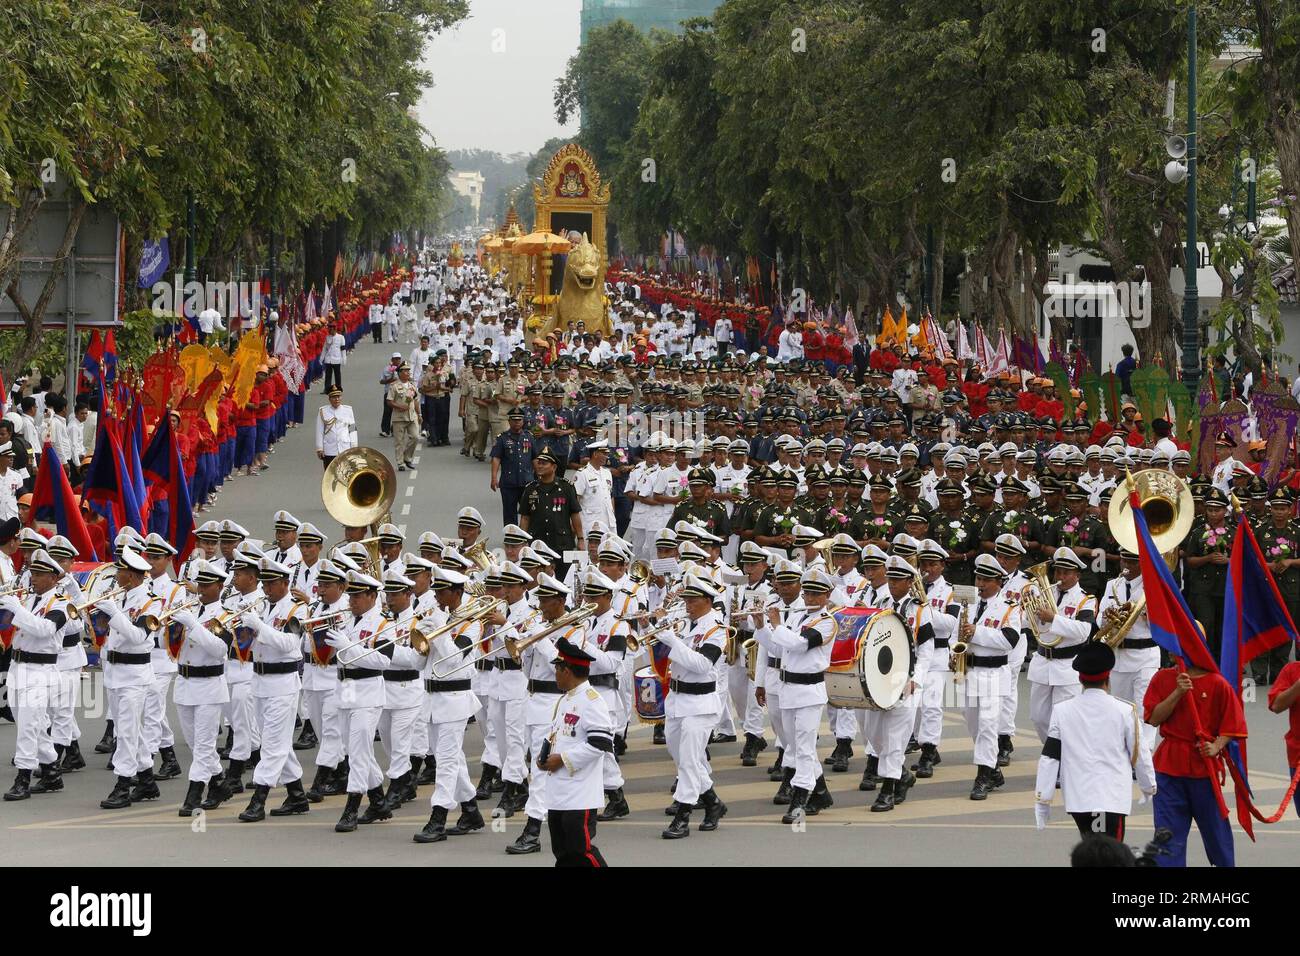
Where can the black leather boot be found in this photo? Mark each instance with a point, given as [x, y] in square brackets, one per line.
[983, 784]
[774, 771]
[193, 797]
[620, 745]
[783, 792]
[234, 780]
[306, 738]
[145, 788]
[659, 737]
[254, 759]
[429, 772]
[22, 788]
[820, 798]
[51, 780]
[484, 789]
[314, 794]
[224, 750]
[255, 812]
[912, 745]
[108, 741]
[530, 841]
[714, 810]
[1005, 749]
[506, 806]
[840, 758]
[376, 810]
[924, 766]
[469, 820]
[749, 752]
[905, 783]
[870, 778]
[885, 798]
[170, 767]
[336, 784]
[409, 791]
[295, 800]
[120, 797]
[798, 805]
[615, 806]
[72, 759]
[348, 822]
[435, 831]
[217, 793]
[997, 780]
[396, 787]
[680, 828]
[416, 764]
[672, 809]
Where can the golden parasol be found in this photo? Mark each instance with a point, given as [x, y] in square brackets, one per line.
[537, 243]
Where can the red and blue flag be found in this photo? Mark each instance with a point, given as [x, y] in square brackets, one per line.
[53, 501]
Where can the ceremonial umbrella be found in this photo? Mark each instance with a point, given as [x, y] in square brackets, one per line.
[537, 243]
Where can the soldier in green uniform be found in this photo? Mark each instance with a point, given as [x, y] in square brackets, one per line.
[700, 509]
[1279, 541]
[1014, 517]
[549, 509]
[1082, 533]
[819, 491]
[762, 493]
[776, 523]
[957, 533]
[1051, 504]
[876, 523]
[1257, 504]
[907, 496]
[470, 410]
[834, 516]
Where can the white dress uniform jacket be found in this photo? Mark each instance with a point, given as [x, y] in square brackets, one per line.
[1073, 623]
[336, 429]
[691, 660]
[202, 648]
[581, 733]
[1096, 744]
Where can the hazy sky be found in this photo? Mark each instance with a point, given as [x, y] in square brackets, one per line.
[500, 98]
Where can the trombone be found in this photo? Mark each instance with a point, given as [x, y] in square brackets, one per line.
[481, 654]
[513, 647]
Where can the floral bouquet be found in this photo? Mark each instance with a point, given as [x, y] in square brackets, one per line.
[839, 517]
[956, 536]
[1216, 540]
[1070, 533]
[684, 488]
[1282, 549]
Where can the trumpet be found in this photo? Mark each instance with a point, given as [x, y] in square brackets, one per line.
[648, 639]
[82, 608]
[577, 616]
[1119, 620]
[165, 618]
[312, 624]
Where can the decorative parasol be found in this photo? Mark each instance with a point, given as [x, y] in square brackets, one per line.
[539, 243]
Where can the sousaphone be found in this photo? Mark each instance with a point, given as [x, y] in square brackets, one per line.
[1166, 503]
[358, 490]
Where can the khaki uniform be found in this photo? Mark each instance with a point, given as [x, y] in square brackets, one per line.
[469, 390]
[406, 419]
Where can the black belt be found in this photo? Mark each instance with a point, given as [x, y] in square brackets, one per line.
[685, 687]
[1137, 644]
[483, 665]
[941, 642]
[207, 670]
[31, 657]
[1059, 653]
[506, 664]
[446, 686]
[774, 662]
[117, 657]
[358, 673]
[71, 640]
[996, 661]
[543, 687]
[603, 680]
[794, 677]
[276, 667]
[398, 676]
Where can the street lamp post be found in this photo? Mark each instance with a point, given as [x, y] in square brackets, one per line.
[1191, 298]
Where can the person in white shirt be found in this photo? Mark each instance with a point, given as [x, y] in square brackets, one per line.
[209, 322]
[336, 428]
[595, 487]
[790, 343]
[332, 357]
[56, 431]
[420, 357]
[11, 483]
[703, 346]
[392, 316]
[722, 334]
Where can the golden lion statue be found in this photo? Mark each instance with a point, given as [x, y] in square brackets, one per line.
[582, 298]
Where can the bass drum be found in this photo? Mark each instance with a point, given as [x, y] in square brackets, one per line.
[649, 694]
[871, 660]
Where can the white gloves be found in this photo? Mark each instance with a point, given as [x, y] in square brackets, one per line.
[336, 638]
[11, 603]
[251, 621]
[109, 607]
[1042, 813]
[186, 618]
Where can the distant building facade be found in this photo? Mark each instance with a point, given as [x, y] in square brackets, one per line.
[470, 185]
[644, 14]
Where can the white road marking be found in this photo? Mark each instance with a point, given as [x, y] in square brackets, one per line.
[410, 490]
[406, 510]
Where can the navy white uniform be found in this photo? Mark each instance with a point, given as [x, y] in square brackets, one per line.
[277, 659]
[361, 698]
[1051, 678]
[246, 737]
[451, 704]
[606, 642]
[201, 692]
[691, 708]
[403, 696]
[1138, 657]
[581, 733]
[997, 631]
[805, 641]
[129, 651]
[33, 686]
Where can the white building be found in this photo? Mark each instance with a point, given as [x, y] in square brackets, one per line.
[469, 185]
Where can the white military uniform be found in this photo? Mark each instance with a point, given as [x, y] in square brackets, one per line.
[997, 631]
[33, 686]
[944, 614]
[1138, 657]
[691, 708]
[804, 660]
[403, 697]
[277, 659]
[72, 658]
[336, 429]
[361, 699]
[595, 488]
[503, 696]
[580, 716]
[201, 693]
[239, 679]
[887, 731]
[320, 691]
[132, 679]
[157, 730]
[1095, 745]
[606, 642]
[1052, 679]
[451, 703]
[1015, 586]
[739, 685]
[539, 708]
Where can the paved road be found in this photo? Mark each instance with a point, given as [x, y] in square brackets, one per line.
[937, 825]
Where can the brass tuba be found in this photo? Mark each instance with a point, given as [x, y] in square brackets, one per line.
[1038, 594]
[478, 553]
[1166, 502]
[358, 490]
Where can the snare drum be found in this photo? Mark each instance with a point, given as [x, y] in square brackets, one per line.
[649, 694]
[871, 660]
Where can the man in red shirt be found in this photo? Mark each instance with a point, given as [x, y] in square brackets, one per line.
[1284, 697]
[1185, 760]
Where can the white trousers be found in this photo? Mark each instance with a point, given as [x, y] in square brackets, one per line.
[323, 712]
[279, 764]
[887, 732]
[131, 755]
[359, 725]
[741, 689]
[396, 728]
[845, 722]
[488, 727]
[239, 711]
[929, 722]
[1132, 687]
[506, 717]
[687, 739]
[1011, 702]
[451, 784]
[200, 724]
[982, 706]
[31, 698]
[803, 723]
[1043, 697]
[422, 744]
[536, 805]
[63, 713]
[157, 731]
[781, 728]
